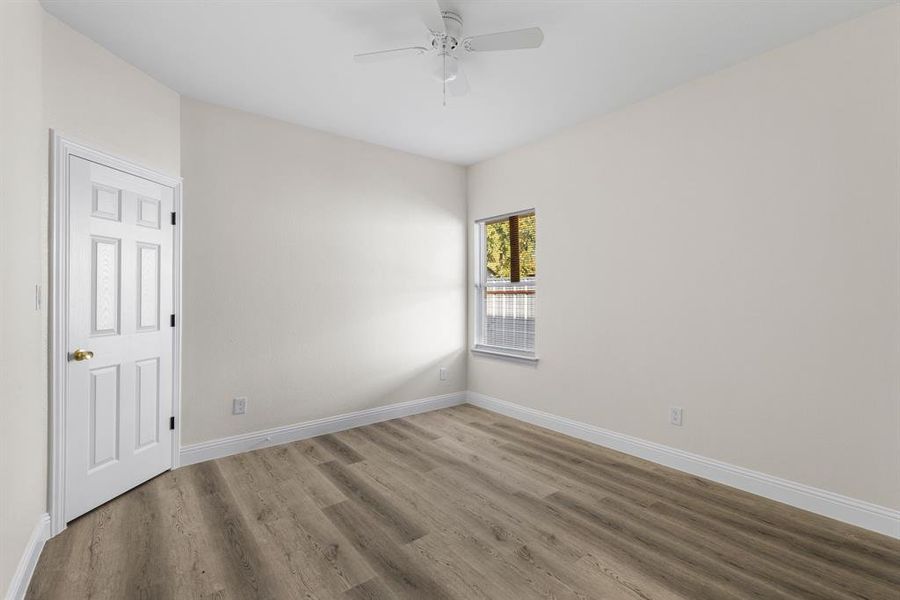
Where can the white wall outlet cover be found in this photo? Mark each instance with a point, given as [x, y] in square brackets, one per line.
[443, 374]
[239, 406]
[676, 415]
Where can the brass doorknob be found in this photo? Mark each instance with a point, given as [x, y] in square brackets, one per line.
[80, 355]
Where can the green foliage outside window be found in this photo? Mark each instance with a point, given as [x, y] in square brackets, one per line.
[497, 247]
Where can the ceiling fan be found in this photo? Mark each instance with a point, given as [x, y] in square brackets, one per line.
[445, 42]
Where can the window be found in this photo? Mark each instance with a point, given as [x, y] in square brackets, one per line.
[505, 285]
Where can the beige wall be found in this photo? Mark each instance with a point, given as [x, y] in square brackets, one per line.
[731, 247]
[52, 77]
[323, 275]
[23, 381]
[100, 100]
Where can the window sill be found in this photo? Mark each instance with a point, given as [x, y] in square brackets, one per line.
[503, 353]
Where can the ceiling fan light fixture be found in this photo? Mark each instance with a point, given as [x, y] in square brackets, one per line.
[446, 68]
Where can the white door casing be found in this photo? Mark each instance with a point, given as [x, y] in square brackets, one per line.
[117, 287]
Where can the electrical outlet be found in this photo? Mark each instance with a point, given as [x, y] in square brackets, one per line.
[443, 374]
[676, 415]
[239, 406]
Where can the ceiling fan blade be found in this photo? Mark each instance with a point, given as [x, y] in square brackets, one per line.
[506, 40]
[367, 57]
[459, 85]
[430, 13]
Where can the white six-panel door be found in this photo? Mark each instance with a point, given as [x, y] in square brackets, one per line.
[120, 282]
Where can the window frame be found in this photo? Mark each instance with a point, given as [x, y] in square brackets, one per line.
[480, 281]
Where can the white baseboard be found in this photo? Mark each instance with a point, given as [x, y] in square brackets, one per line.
[195, 453]
[849, 510]
[22, 577]
[842, 508]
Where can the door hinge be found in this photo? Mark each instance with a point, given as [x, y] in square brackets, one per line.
[171, 422]
[173, 218]
[171, 320]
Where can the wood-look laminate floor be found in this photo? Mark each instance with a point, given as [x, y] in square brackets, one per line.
[458, 503]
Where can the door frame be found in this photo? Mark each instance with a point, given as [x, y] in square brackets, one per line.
[61, 149]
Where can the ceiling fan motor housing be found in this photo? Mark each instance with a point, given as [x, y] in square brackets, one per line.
[448, 40]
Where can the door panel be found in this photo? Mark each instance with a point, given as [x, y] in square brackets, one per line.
[148, 287]
[106, 284]
[147, 398]
[104, 434]
[120, 272]
[107, 202]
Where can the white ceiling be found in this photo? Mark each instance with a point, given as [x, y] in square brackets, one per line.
[292, 60]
